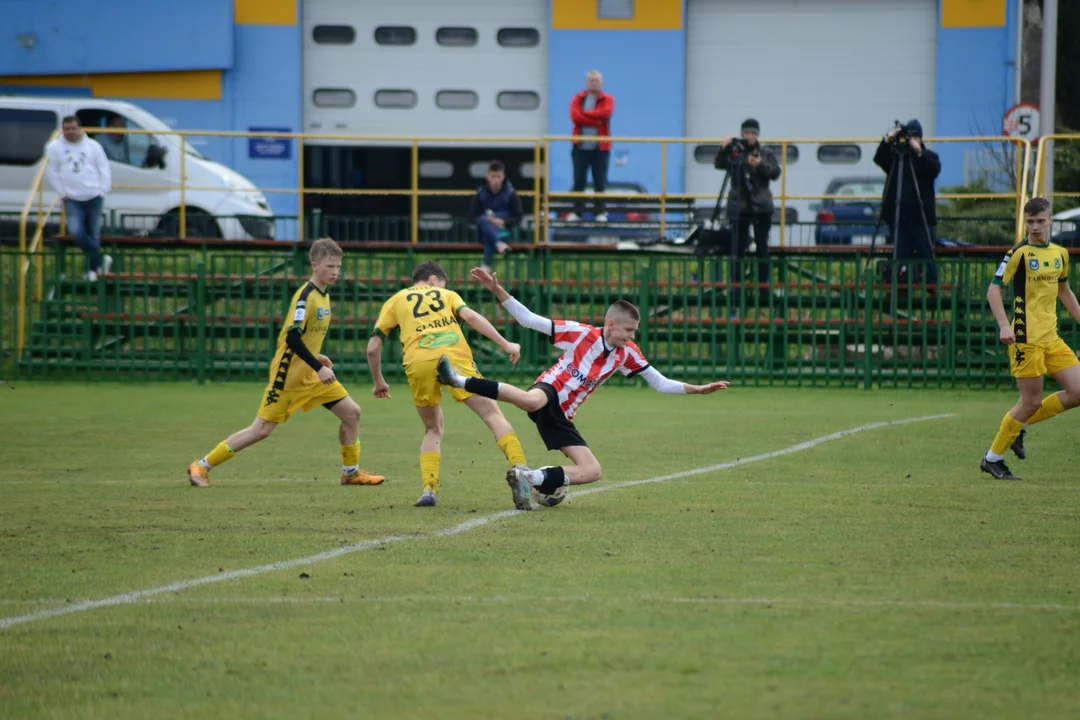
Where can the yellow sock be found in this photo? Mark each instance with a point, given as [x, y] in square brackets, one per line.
[350, 458]
[511, 447]
[1007, 433]
[1051, 406]
[429, 470]
[218, 455]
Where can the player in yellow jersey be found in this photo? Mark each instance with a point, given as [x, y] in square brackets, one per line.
[301, 377]
[1038, 272]
[427, 314]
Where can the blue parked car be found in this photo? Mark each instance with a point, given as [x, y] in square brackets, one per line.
[847, 220]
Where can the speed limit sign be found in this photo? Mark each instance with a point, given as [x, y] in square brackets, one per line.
[1022, 122]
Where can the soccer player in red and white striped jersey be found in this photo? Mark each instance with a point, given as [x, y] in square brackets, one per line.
[590, 356]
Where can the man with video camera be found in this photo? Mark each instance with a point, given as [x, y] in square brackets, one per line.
[901, 153]
[750, 168]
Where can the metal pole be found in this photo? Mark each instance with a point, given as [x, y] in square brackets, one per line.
[538, 172]
[663, 188]
[783, 190]
[1047, 84]
[415, 202]
[300, 193]
[183, 186]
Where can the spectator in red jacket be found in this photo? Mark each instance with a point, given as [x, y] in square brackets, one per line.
[590, 110]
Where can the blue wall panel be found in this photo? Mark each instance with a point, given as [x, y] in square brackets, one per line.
[646, 72]
[264, 90]
[975, 86]
[73, 36]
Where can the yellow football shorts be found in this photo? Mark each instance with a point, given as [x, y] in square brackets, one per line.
[1029, 360]
[279, 405]
[425, 387]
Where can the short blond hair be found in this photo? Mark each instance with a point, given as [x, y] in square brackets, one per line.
[623, 309]
[324, 249]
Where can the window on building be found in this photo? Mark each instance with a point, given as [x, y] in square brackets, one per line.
[437, 169]
[839, 154]
[395, 35]
[334, 34]
[457, 99]
[456, 36]
[518, 100]
[518, 37]
[615, 10]
[334, 97]
[478, 169]
[400, 99]
[23, 135]
[528, 170]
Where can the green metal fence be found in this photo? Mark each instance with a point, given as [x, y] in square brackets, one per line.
[821, 320]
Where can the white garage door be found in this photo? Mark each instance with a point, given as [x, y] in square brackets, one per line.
[425, 67]
[807, 69]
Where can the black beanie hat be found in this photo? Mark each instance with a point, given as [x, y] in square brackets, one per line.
[751, 124]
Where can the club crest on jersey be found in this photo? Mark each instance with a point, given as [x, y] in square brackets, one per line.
[1057, 263]
[1033, 263]
[321, 313]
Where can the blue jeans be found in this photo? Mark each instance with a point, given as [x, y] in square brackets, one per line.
[490, 235]
[84, 226]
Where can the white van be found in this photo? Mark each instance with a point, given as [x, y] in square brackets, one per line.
[236, 211]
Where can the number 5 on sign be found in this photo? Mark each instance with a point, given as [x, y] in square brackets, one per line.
[1021, 121]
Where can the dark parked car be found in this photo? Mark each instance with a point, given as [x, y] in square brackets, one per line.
[848, 219]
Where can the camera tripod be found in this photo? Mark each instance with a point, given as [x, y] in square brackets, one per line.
[901, 165]
[723, 237]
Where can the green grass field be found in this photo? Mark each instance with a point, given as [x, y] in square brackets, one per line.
[877, 575]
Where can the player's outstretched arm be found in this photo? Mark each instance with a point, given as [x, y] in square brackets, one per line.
[523, 316]
[482, 325]
[658, 382]
[374, 359]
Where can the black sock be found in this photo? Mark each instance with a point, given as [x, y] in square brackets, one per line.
[482, 387]
[554, 478]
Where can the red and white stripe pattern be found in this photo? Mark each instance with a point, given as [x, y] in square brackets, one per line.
[587, 361]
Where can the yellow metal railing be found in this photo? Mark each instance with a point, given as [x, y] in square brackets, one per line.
[1023, 149]
[414, 192]
[1039, 185]
[32, 250]
[541, 191]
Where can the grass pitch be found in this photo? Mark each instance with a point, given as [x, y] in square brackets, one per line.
[877, 575]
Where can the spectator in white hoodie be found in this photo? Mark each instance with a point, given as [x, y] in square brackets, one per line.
[79, 172]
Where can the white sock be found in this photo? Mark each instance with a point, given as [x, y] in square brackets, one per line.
[206, 464]
[536, 477]
[350, 469]
[993, 456]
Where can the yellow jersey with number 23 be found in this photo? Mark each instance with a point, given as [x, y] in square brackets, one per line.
[428, 319]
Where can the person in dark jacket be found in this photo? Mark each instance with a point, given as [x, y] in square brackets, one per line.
[759, 168]
[914, 238]
[495, 209]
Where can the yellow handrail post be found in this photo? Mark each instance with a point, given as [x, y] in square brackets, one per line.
[663, 188]
[414, 221]
[300, 188]
[547, 190]
[1036, 182]
[783, 190]
[538, 170]
[39, 263]
[183, 187]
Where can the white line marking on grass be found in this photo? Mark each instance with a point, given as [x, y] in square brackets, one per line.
[133, 597]
[444, 600]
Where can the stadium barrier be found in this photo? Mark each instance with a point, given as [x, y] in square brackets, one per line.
[213, 310]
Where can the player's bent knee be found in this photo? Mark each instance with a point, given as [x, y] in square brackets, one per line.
[593, 472]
